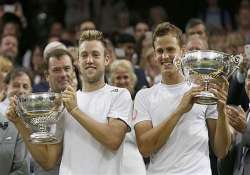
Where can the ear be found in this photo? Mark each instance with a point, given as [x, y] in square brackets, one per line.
[106, 59]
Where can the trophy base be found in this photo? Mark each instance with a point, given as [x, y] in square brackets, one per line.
[43, 138]
[206, 98]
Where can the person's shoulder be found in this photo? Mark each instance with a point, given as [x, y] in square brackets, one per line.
[116, 90]
[148, 91]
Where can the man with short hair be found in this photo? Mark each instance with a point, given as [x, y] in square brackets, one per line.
[169, 127]
[196, 26]
[96, 122]
[140, 29]
[9, 47]
[13, 153]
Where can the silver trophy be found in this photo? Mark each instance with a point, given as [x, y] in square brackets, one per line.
[202, 66]
[41, 112]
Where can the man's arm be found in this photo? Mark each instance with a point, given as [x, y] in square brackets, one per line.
[219, 131]
[46, 155]
[150, 139]
[110, 134]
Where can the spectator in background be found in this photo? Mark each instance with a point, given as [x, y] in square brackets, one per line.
[196, 42]
[196, 26]
[236, 93]
[123, 76]
[157, 14]
[11, 24]
[56, 29]
[13, 153]
[237, 161]
[140, 29]
[216, 17]
[243, 20]
[5, 67]
[37, 65]
[126, 44]
[123, 23]
[217, 39]
[151, 68]
[9, 47]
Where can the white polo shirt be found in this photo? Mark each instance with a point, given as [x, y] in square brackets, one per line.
[186, 151]
[82, 153]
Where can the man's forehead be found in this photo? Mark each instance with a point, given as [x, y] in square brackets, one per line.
[89, 45]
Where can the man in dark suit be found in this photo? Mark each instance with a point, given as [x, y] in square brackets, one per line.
[238, 161]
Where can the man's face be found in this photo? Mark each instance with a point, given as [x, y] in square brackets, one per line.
[198, 29]
[60, 73]
[167, 49]
[141, 29]
[244, 15]
[9, 46]
[20, 85]
[195, 44]
[129, 49]
[92, 61]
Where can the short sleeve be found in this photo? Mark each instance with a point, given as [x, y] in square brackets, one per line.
[141, 106]
[211, 112]
[121, 106]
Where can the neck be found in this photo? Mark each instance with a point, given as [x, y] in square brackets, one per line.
[171, 79]
[88, 87]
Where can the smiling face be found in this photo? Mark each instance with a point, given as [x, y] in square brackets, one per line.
[60, 73]
[167, 48]
[19, 85]
[92, 61]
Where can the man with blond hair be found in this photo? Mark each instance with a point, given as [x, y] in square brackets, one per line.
[95, 121]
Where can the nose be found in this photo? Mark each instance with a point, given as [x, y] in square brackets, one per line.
[89, 59]
[165, 54]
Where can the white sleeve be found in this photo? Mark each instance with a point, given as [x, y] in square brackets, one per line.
[211, 112]
[141, 106]
[121, 106]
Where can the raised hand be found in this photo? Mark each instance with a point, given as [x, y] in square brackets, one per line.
[237, 118]
[219, 88]
[69, 99]
[188, 99]
[11, 111]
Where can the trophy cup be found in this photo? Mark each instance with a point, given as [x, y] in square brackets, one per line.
[41, 112]
[202, 66]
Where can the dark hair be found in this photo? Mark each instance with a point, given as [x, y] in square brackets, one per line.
[16, 72]
[125, 38]
[193, 22]
[57, 53]
[167, 28]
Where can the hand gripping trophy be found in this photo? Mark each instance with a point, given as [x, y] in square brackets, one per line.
[202, 66]
[41, 112]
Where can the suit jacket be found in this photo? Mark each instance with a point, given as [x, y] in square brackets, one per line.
[232, 164]
[12, 151]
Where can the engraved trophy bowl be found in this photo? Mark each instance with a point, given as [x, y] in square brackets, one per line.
[202, 66]
[41, 112]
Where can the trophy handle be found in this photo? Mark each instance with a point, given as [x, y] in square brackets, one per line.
[178, 64]
[235, 61]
